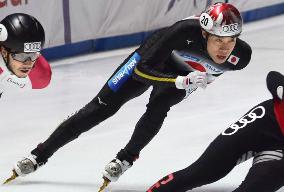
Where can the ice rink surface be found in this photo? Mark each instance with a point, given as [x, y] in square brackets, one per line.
[29, 118]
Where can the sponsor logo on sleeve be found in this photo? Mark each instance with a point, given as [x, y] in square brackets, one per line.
[124, 73]
[190, 57]
[212, 70]
[21, 85]
[191, 62]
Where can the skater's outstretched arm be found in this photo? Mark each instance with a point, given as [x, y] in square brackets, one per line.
[158, 48]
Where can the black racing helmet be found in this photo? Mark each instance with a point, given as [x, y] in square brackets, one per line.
[21, 32]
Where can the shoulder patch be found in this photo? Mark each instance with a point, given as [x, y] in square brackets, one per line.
[40, 76]
[233, 59]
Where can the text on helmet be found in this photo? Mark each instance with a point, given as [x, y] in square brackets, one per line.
[32, 47]
[234, 27]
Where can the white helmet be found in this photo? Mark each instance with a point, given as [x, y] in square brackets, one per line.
[221, 19]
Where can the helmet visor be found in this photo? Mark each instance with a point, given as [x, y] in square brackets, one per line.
[22, 57]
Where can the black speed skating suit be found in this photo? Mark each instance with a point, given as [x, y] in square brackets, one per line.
[258, 133]
[167, 53]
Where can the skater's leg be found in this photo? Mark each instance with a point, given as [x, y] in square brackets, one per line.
[216, 162]
[104, 105]
[255, 131]
[265, 176]
[160, 102]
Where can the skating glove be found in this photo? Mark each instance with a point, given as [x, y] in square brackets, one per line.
[193, 79]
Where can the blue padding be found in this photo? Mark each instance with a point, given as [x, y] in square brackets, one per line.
[263, 12]
[97, 45]
[69, 50]
[116, 42]
[120, 41]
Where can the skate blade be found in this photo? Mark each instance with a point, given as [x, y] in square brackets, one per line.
[105, 184]
[14, 176]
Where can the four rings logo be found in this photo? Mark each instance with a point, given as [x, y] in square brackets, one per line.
[32, 47]
[256, 113]
[231, 28]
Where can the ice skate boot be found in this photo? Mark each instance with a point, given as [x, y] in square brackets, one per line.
[27, 165]
[114, 169]
[24, 167]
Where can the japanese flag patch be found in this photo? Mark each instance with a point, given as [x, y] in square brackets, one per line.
[233, 59]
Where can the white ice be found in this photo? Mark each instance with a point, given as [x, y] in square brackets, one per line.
[29, 118]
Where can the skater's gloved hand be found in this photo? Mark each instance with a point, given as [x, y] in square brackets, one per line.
[195, 78]
[210, 78]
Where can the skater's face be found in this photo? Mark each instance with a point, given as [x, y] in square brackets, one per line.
[219, 48]
[20, 68]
